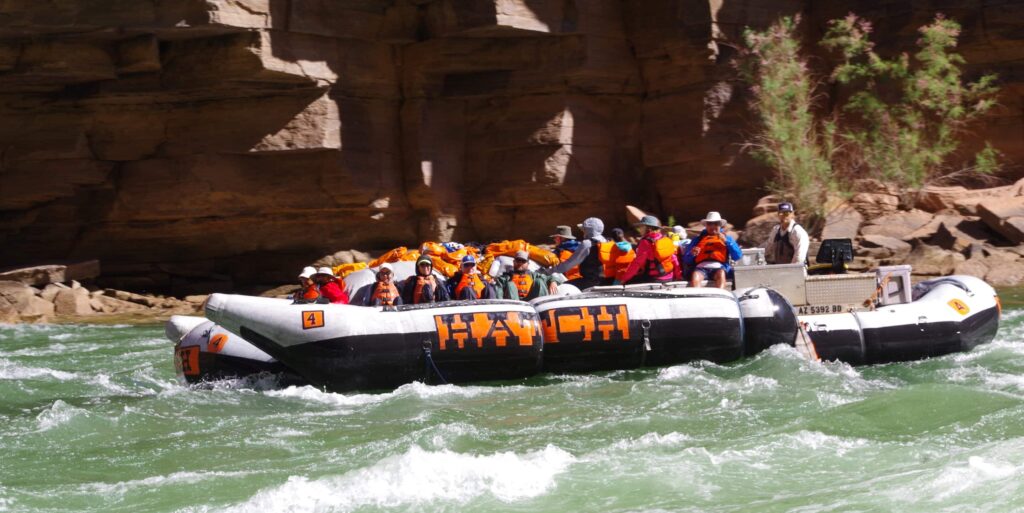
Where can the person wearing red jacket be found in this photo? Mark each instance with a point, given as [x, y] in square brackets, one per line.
[656, 259]
[331, 287]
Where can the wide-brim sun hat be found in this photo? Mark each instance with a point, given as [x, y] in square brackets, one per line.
[325, 270]
[713, 217]
[307, 272]
[386, 266]
[564, 231]
[651, 221]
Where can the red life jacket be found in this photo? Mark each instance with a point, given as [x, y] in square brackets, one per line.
[384, 295]
[311, 293]
[470, 280]
[524, 283]
[712, 247]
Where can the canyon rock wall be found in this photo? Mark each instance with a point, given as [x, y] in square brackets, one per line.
[194, 145]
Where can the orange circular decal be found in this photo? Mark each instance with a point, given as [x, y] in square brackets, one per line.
[216, 343]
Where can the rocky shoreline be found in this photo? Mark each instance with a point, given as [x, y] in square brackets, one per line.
[938, 231]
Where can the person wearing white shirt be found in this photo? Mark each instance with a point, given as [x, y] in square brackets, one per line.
[788, 242]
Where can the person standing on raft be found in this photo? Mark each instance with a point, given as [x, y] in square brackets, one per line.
[384, 292]
[467, 283]
[655, 255]
[583, 266]
[331, 286]
[788, 242]
[709, 253]
[424, 287]
[310, 291]
[523, 284]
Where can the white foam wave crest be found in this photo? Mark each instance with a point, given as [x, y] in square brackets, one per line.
[122, 487]
[714, 384]
[647, 440]
[418, 477]
[13, 371]
[416, 389]
[988, 476]
[57, 414]
[55, 349]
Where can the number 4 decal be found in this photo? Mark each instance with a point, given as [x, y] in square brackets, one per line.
[313, 319]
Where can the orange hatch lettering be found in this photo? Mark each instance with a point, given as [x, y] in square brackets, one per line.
[490, 329]
[587, 324]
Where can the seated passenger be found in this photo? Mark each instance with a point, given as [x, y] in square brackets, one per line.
[523, 284]
[565, 245]
[616, 255]
[655, 256]
[468, 284]
[788, 242]
[310, 291]
[331, 286]
[384, 292]
[424, 287]
[710, 252]
[585, 259]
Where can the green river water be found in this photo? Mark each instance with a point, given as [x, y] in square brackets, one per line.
[93, 419]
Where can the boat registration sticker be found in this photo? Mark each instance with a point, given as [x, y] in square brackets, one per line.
[312, 319]
[186, 360]
[960, 307]
[216, 343]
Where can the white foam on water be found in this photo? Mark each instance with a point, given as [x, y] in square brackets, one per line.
[711, 384]
[122, 487]
[14, 371]
[648, 440]
[975, 473]
[418, 477]
[57, 414]
[310, 394]
[416, 389]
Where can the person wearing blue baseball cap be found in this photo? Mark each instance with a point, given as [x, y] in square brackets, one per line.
[468, 284]
[788, 241]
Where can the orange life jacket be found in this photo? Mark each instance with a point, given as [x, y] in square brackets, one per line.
[660, 263]
[614, 260]
[470, 280]
[384, 295]
[523, 283]
[311, 293]
[417, 291]
[571, 274]
[712, 247]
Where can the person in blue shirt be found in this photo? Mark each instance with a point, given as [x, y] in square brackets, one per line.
[707, 256]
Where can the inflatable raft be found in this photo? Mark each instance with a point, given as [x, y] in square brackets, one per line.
[204, 351]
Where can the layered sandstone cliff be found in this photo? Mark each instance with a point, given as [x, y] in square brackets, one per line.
[193, 145]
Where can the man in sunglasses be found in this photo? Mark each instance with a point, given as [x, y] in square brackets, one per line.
[523, 284]
[788, 242]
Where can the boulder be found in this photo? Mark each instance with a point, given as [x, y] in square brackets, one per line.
[72, 302]
[767, 205]
[16, 294]
[755, 233]
[896, 248]
[50, 291]
[37, 310]
[108, 304]
[1006, 275]
[843, 222]
[930, 260]
[976, 267]
[36, 276]
[898, 224]
[875, 204]
[1005, 216]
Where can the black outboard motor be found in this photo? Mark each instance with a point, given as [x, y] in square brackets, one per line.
[768, 319]
[832, 257]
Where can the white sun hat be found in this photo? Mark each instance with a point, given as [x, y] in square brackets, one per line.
[713, 217]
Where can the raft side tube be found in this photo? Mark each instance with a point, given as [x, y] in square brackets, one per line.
[613, 328]
[768, 319]
[208, 352]
[344, 347]
[836, 337]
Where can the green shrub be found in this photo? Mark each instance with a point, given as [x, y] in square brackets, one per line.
[902, 122]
